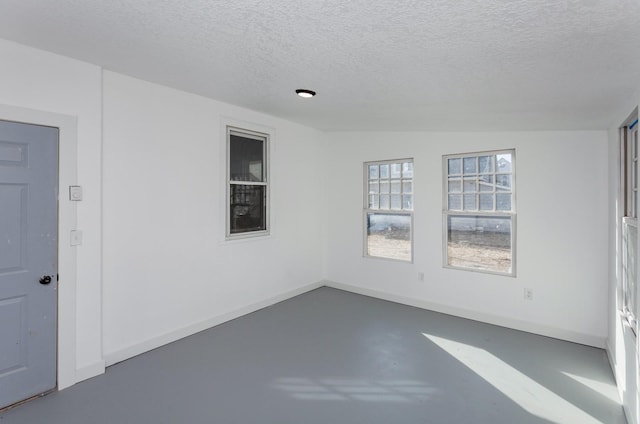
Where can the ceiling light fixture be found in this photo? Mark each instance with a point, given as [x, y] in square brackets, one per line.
[307, 94]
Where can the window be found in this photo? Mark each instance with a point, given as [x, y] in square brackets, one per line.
[388, 209]
[247, 183]
[629, 149]
[479, 211]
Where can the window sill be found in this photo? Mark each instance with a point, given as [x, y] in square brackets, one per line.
[482, 271]
[381, 258]
[263, 235]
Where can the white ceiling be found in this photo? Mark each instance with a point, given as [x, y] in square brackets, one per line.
[376, 64]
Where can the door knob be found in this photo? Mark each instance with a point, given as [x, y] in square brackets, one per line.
[45, 280]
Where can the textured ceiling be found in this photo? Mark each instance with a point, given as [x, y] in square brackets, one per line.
[376, 64]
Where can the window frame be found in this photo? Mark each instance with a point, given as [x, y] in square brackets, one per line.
[366, 210]
[265, 138]
[446, 213]
[629, 146]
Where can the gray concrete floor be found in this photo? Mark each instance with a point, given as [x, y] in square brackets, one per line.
[330, 356]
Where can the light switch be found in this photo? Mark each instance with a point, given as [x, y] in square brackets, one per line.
[76, 237]
[75, 193]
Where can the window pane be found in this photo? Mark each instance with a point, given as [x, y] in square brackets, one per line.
[630, 172]
[470, 165]
[384, 186]
[503, 202]
[407, 202]
[389, 236]
[486, 202]
[455, 202]
[373, 172]
[395, 170]
[248, 208]
[503, 182]
[374, 201]
[407, 170]
[407, 186]
[486, 183]
[374, 187]
[504, 162]
[634, 191]
[455, 166]
[479, 242]
[469, 184]
[395, 186]
[470, 202]
[384, 171]
[630, 240]
[245, 159]
[396, 201]
[384, 201]
[455, 186]
[485, 163]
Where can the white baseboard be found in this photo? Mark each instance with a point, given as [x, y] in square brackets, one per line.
[543, 330]
[89, 371]
[155, 342]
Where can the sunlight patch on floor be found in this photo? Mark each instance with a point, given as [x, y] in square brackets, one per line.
[604, 389]
[527, 393]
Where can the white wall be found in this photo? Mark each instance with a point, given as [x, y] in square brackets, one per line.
[561, 230]
[168, 271]
[40, 87]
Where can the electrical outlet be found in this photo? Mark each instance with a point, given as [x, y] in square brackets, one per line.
[528, 294]
[76, 237]
[421, 276]
[75, 193]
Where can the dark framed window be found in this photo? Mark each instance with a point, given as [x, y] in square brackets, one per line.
[247, 183]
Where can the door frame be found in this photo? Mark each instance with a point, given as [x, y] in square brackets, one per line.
[67, 221]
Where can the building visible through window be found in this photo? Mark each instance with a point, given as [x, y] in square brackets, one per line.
[388, 209]
[479, 211]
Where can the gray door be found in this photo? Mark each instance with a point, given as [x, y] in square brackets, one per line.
[28, 260]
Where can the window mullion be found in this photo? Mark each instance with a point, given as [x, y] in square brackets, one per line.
[248, 183]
